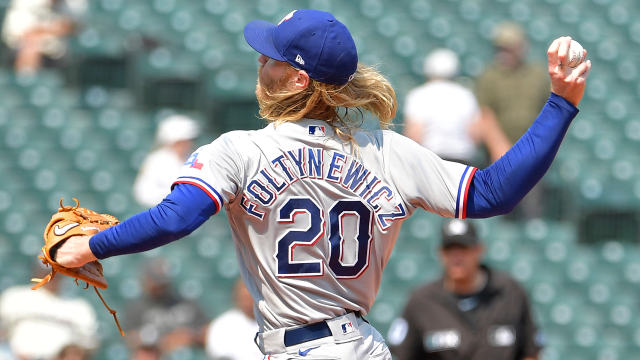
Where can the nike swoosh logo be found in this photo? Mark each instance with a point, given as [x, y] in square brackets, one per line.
[304, 353]
[59, 231]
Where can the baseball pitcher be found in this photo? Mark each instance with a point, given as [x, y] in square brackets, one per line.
[315, 204]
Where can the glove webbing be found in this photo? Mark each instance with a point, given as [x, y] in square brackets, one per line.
[75, 210]
[53, 273]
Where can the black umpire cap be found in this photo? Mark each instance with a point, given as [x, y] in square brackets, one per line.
[459, 232]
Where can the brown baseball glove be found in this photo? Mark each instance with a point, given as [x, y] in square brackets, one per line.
[72, 221]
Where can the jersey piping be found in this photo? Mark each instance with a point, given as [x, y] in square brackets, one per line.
[213, 194]
[463, 192]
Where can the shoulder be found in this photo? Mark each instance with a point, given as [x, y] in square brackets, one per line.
[535, 68]
[461, 91]
[17, 290]
[388, 135]
[160, 156]
[536, 74]
[504, 281]
[461, 88]
[382, 139]
[426, 291]
[376, 138]
[236, 135]
[418, 90]
[229, 316]
[490, 72]
[233, 140]
[398, 146]
[17, 293]
[431, 88]
[81, 307]
[424, 299]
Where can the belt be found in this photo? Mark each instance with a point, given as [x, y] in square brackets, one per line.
[308, 333]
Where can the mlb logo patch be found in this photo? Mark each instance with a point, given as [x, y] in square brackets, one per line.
[347, 328]
[316, 130]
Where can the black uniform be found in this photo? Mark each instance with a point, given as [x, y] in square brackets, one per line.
[493, 324]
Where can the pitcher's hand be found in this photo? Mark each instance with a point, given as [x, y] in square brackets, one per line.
[75, 252]
[565, 81]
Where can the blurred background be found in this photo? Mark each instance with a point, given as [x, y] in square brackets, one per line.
[79, 122]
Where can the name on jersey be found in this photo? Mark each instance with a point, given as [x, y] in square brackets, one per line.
[314, 163]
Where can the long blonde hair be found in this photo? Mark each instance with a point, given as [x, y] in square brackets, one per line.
[341, 106]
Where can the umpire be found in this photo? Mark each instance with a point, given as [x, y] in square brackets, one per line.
[471, 313]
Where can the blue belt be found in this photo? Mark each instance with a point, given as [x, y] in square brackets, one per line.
[308, 333]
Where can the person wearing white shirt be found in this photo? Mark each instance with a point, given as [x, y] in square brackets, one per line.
[160, 168]
[36, 28]
[39, 324]
[230, 336]
[444, 116]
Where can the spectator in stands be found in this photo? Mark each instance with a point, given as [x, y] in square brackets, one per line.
[230, 336]
[511, 89]
[34, 29]
[512, 92]
[444, 116]
[472, 312]
[162, 318]
[160, 168]
[440, 113]
[39, 324]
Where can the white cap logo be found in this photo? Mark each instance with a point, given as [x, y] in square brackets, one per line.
[289, 16]
[456, 227]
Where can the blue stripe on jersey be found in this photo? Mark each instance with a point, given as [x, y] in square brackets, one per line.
[213, 191]
[180, 213]
[464, 175]
[497, 189]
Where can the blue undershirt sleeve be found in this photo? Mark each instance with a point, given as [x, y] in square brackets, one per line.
[497, 189]
[180, 213]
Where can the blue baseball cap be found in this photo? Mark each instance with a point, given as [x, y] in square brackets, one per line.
[310, 40]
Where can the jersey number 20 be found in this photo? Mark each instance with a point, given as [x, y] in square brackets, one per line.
[287, 267]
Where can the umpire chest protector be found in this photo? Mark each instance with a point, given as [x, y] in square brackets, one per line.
[492, 324]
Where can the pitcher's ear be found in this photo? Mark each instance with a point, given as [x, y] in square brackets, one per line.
[302, 80]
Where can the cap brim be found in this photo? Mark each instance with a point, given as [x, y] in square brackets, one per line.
[259, 35]
[459, 240]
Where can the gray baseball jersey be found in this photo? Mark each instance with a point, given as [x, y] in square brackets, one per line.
[314, 218]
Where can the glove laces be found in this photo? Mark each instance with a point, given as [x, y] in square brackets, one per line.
[50, 276]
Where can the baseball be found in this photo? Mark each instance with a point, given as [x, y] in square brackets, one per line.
[576, 54]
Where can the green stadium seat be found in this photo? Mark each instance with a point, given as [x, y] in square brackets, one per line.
[182, 21]
[108, 5]
[621, 315]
